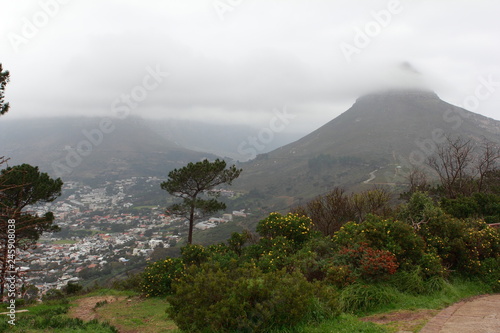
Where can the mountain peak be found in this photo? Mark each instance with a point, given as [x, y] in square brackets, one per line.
[385, 131]
[398, 94]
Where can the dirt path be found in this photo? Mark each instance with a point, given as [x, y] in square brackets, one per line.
[480, 314]
[372, 177]
[85, 308]
[404, 320]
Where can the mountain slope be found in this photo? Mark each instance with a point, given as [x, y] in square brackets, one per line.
[386, 132]
[87, 148]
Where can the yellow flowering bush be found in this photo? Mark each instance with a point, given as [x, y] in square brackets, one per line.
[158, 277]
[462, 244]
[293, 227]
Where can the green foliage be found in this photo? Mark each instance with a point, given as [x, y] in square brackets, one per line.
[313, 259]
[490, 273]
[51, 317]
[243, 300]
[362, 297]
[345, 323]
[237, 240]
[21, 186]
[291, 226]
[363, 267]
[462, 207]
[273, 254]
[53, 294]
[158, 277]
[24, 185]
[131, 282]
[419, 210]
[194, 254]
[223, 254]
[462, 244]
[384, 234]
[415, 282]
[478, 205]
[4, 79]
[366, 263]
[196, 179]
[72, 288]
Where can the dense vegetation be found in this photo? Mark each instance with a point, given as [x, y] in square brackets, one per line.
[291, 273]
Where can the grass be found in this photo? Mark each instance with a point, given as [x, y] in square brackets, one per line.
[345, 323]
[452, 292]
[51, 317]
[134, 313]
[110, 292]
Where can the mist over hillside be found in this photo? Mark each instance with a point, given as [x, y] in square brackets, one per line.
[88, 148]
[95, 147]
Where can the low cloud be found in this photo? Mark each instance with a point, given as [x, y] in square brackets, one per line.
[263, 55]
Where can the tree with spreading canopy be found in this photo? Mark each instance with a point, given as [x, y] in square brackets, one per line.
[23, 186]
[195, 180]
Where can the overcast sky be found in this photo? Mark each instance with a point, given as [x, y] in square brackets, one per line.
[236, 61]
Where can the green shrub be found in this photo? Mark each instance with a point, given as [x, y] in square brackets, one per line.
[237, 240]
[462, 244]
[431, 264]
[223, 254]
[132, 282]
[478, 205]
[72, 288]
[158, 277]
[53, 294]
[193, 254]
[339, 275]
[396, 237]
[366, 263]
[313, 259]
[490, 273]
[291, 226]
[274, 254]
[211, 299]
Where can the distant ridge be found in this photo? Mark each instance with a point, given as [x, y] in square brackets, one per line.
[131, 148]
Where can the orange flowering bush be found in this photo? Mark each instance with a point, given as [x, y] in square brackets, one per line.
[367, 263]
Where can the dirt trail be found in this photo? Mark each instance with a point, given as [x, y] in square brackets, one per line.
[85, 308]
[404, 320]
[372, 177]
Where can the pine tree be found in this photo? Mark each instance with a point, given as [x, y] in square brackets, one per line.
[194, 180]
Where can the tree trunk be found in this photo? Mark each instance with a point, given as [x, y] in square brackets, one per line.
[191, 224]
